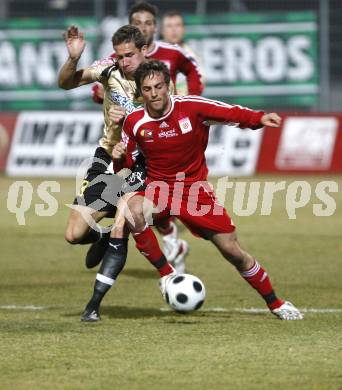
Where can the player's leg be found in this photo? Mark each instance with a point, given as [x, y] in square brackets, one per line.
[217, 226]
[113, 262]
[98, 193]
[138, 212]
[134, 182]
[174, 248]
[78, 229]
[115, 256]
[251, 270]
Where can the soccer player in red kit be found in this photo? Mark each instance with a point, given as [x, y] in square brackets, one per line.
[172, 133]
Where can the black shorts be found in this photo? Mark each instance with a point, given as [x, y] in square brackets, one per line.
[101, 189]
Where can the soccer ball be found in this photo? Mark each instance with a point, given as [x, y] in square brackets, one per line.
[185, 293]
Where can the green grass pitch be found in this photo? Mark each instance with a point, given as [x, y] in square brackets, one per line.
[140, 345]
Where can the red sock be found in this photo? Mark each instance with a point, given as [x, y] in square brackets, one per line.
[258, 279]
[147, 243]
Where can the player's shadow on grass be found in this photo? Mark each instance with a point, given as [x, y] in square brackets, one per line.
[141, 273]
[126, 312]
[170, 316]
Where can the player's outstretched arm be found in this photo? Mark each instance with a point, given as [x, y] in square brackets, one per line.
[69, 77]
[271, 120]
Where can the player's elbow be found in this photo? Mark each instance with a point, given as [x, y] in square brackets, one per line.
[196, 91]
[195, 87]
[63, 84]
[200, 88]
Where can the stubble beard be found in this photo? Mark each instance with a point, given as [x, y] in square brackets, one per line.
[158, 112]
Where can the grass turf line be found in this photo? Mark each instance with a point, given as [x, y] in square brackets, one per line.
[138, 346]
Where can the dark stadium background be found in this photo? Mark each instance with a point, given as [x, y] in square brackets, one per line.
[329, 11]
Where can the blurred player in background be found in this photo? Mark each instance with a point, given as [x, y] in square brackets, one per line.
[176, 59]
[196, 207]
[144, 16]
[173, 31]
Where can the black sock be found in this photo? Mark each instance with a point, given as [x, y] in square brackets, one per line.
[111, 266]
[91, 237]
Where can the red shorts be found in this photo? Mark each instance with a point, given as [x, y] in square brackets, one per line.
[196, 206]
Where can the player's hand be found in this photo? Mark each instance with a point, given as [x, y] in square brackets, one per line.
[119, 151]
[271, 120]
[74, 41]
[117, 114]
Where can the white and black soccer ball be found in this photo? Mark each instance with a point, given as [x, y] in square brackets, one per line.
[185, 292]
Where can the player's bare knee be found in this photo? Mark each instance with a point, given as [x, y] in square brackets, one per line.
[135, 205]
[136, 213]
[72, 235]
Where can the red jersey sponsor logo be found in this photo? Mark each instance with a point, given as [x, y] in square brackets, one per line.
[168, 134]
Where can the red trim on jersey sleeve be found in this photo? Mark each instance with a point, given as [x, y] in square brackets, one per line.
[95, 93]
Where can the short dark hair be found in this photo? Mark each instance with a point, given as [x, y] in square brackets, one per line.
[128, 33]
[171, 14]
[143, 6]
[149, 68]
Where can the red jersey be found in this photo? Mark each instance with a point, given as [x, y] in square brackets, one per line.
[176, 142]
[177, 61]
